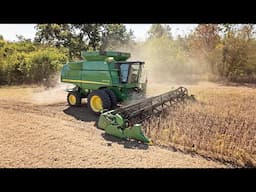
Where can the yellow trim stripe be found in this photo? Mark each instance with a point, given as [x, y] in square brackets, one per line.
[82, 81]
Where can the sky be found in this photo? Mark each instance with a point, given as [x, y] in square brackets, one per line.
[140, 30]
[9, 31]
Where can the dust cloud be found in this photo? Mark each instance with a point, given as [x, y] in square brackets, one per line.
[51, 92]
[166, 64]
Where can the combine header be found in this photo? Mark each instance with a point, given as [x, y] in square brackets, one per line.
[126, 122]
[106, 78]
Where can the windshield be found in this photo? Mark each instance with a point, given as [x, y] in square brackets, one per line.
[129, 72]
[124, 68]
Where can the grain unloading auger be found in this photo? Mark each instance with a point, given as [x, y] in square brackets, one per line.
[126, 121]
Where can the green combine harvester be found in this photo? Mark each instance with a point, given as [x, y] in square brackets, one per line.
[107, 79]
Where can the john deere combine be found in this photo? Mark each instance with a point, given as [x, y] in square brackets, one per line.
[106, 79]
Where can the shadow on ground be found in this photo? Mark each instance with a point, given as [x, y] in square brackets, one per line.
[127, 144]
[81, 113]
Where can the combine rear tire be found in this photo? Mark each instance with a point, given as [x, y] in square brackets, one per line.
[99, 100]
[74, 99]
[113, 98]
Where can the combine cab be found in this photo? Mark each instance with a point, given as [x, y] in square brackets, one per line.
[106, 79]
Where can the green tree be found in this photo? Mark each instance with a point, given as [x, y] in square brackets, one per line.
[25, 62]
[79, 37]
[114, 35]
[61, 35]
[159, 30]
[204, 45]
[89, 34]
[238, 58]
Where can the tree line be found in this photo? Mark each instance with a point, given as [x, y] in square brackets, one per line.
[37, 60]
[213, 51]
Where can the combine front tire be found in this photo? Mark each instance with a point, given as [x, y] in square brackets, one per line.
[99, 100]
[113, 98]
[74, 99]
